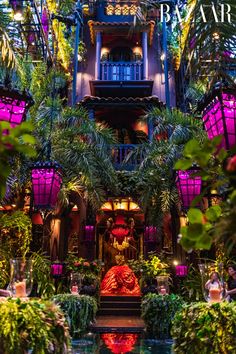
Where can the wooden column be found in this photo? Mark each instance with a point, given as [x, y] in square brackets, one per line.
[145, 55]
[98, 55]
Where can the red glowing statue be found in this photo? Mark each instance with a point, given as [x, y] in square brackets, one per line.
[120, 280]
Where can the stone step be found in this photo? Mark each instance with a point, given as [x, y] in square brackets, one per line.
[119, 312]
[120, 304]
[121, 298]
[118, 324]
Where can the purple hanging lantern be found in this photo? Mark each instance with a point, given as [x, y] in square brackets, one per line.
[150, 233]
[89, 233]
[13, 105]
[57, 269]
[219, 116]
[45, 22]
[46, 183]
[189, 187]
[181, 270]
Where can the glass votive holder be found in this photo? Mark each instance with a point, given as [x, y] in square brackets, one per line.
[75, 283]
[163, 284]
[21, 280]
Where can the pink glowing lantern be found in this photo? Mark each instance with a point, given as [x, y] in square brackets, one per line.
[89, 232]
[57, 269]
[189, 187]
[150, 233]
[181, 270]
[46, 183]
[13, 106]
[219, 116]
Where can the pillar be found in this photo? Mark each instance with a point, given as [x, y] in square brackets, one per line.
[145, 55]
[98, 55]
[91, 114]
[166, 70]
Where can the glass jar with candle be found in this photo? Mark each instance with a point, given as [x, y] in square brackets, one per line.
[76, 280]
[163, 284]
[21, 280]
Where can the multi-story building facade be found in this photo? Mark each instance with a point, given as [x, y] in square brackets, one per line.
[121, 79]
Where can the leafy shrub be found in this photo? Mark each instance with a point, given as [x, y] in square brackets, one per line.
[147, 271]
[79, 311]
[205, 328]
[158, 312]
[42, 275]
[32, 325]
[16, 234]
[191, 287]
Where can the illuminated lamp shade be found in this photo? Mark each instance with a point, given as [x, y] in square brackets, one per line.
[219, 116]
[57, 269]
[13, 105]
[150, 233]
[133, 207]
[106, 206]
[46, 183]
[89, 232]
[189, 187]
[121, 204]
[181, 270]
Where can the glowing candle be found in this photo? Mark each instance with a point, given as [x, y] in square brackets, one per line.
[163, 291]
[214, 294]
[74, 289]
[20, 289]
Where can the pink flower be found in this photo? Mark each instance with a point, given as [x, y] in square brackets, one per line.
[86, 264]
[77, 264]
[94, 264]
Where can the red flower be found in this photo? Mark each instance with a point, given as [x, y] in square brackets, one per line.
[231, 165]
[86, 264]
[77, 264]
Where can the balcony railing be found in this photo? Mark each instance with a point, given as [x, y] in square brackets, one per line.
[122, 71]
[119, 154]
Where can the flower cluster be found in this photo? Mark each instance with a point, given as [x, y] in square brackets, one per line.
[81, 265]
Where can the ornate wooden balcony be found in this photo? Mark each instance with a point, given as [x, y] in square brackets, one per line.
[122, 71]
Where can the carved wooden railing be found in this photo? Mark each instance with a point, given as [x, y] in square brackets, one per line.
[122, 71]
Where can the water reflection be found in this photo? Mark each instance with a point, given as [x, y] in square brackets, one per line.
[119, 343]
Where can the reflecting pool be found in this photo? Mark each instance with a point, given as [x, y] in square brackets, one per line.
[119, 343]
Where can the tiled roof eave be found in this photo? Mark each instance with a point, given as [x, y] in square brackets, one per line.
[93, 100]
[150, 25]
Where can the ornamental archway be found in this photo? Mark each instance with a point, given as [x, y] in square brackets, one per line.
[120, 226]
